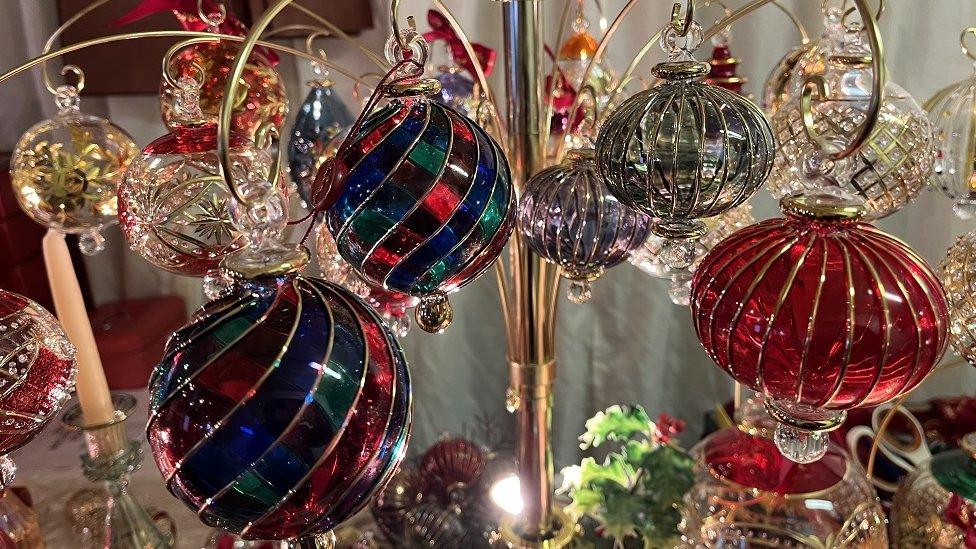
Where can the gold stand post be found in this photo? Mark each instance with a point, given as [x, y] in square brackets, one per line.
[532, 364]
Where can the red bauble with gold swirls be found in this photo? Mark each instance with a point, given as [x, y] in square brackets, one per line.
[820, 313]
[261, 100]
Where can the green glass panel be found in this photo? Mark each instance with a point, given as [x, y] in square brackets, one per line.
[428, 157]
[371, 226]
[253, 487]
[956, 471]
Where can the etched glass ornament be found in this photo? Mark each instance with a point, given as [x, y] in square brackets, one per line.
[684, 151]
[888, 170]
[959, 277]
[748, 495]
[421, 199]
[173, 204]
[568, 217]
[37, 363]
[820, 313]
[953, 115]
[319, 128]
[66, 171]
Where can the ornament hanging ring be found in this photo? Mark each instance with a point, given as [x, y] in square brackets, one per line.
[212, 20]
[815, 87]
[682, 24]
[80, 74]
[962, 42]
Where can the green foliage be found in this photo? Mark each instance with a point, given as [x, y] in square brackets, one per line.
[632, 497]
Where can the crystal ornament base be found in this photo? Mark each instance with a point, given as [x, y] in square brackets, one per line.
[111, 458]
[325, 540]
[802, 431]
[434, 313]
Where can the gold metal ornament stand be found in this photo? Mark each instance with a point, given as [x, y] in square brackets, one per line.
[528, 286]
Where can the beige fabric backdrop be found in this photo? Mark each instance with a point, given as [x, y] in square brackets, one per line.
[629, 344]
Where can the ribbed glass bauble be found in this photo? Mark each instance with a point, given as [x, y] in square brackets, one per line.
[820, 313]
[568, 217]
[959, 278]
[421, 202]
[280, 409]
[684, 150]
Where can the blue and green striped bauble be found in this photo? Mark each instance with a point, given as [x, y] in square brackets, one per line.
[281, 409]
[421, 202]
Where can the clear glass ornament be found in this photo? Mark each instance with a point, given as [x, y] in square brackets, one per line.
[958, 272]
[953, 115]
[748, 495]
[684, 151]
[173, 204]
[776, 90]
[890, 168]
[66, 171]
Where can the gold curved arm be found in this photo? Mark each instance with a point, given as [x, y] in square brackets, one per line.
[230, 90]
[479, 72]
[682, 24]
[815, 88]
[962, 42]
[395, 23]
[57, 33]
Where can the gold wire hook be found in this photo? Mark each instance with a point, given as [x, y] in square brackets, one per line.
[395, 21]
[962, 42]
[80, 74]
[206, 17]
[200, 73]
[851, 10]
[682, 24]
[321, 33]
[816, 87]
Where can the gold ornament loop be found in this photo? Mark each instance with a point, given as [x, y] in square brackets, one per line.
[79, 74]
[395, 22]
[682, 24]
[962, 42]
[816, 87]
[877, 14]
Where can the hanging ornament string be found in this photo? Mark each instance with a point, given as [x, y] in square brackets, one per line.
[324, 192]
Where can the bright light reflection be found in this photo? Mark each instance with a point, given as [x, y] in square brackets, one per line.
[507, 495]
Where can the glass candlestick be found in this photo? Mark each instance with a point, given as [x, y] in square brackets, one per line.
[112, 457]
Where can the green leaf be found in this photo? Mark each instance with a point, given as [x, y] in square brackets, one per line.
[617, 423]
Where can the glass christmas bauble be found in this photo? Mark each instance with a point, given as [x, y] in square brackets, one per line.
[748, 495]
[649, 257]
[319, 128]
[457, 90]
[820, 313]
[959, 278]
[776, 90]
[392, 306]
[261, 101]
[37, 363]
[173, 204]
[935, 505]
[684, 150]
[567, 216]
[421, 203]
[951, 112]
[281, 409]
[887, 171]
[65, 171]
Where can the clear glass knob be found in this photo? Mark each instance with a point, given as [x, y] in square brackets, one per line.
[799, 445]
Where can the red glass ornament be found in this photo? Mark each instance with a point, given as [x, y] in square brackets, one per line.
[820, 313]
[261, 101]
[724, 72]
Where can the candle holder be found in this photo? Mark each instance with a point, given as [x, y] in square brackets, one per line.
[112, 457]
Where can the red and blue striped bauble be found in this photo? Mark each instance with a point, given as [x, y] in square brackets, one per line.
[421, 202]
[281, 409]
